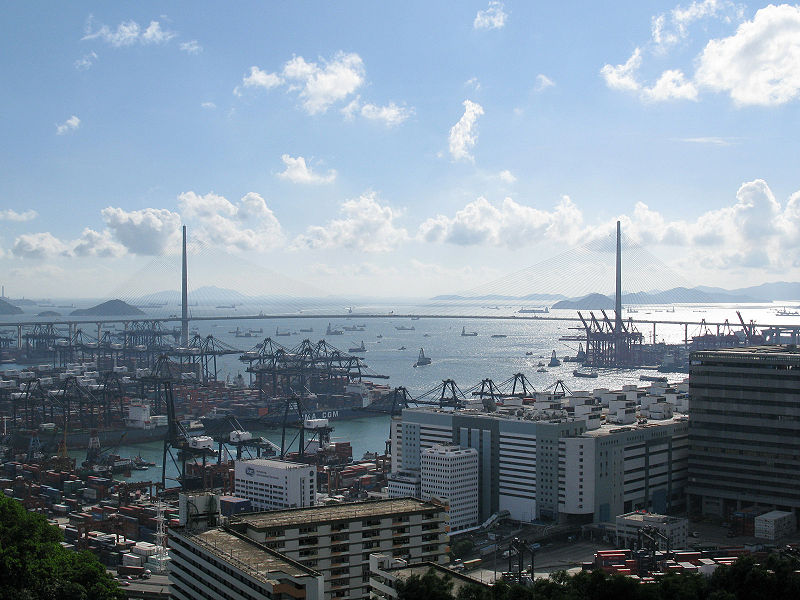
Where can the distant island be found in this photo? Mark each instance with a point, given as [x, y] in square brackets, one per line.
[590, 302]
[6, 308]
[111, 308]
[48, 313]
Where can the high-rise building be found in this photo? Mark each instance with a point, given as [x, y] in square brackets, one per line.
[450, 474]
[744, 429]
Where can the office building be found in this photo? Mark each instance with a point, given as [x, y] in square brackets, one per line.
[450, 474]
[553, 457]
[744, 430]
[272, 484]
[220, 563]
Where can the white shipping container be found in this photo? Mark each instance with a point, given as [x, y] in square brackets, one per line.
[131, 560]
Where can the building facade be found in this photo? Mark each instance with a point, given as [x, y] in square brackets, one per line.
[674, 529]
[554, 465]
[275, 484]
[744, 430]
[450, 474]
[220, 564]
[336, 540]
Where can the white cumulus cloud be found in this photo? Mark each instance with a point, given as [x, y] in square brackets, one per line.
[672, 85]
[97, 243]
[148, 231]
[623, 76]
[462, 137]
[70, 124]
[321, 84]
[366, 225]
[492, 17]
[39, 245]
[246, 225]
[297, 171]
[760, 63]
[390, 115]
[9, 214]
[506, 176]
[510, 224]
[259, 79]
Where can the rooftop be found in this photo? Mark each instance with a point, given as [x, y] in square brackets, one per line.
[788, 352]
[274, 463]
[253, 558]
[645, 517]
[312, 515]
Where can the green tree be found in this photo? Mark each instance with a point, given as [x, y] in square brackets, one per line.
[428, 587]
[461, 548]
[34, 565]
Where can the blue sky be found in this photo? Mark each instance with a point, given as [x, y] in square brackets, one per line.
[410, 148]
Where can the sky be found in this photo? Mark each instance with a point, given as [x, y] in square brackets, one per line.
[394, 149]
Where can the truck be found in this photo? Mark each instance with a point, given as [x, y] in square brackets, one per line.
[135, 572]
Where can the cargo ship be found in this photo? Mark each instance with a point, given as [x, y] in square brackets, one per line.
[353, 403]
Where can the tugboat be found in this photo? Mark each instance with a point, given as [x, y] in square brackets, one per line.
[464, 333]
[422, 359]
[590, 374]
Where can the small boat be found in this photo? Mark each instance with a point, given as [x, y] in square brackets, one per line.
[379, 336]
[309, 330]
[541, 370]
[404, 328]
[654, 378]
[465, 333]
[402, 348]
[590, 374]
[415, 318]
[422, 359]
[554, 362]
[330, 331]
[499, 335]
[426, 335]
[784, 312]
[278, 333]
[361, 348]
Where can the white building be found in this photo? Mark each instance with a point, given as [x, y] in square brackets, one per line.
[675, 529]
[556, 459]
[404, 484]
[450, 474]
[275, 484]
[774, 525]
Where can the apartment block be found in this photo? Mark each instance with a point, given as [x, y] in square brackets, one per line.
[336, 540]
[221, 564]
